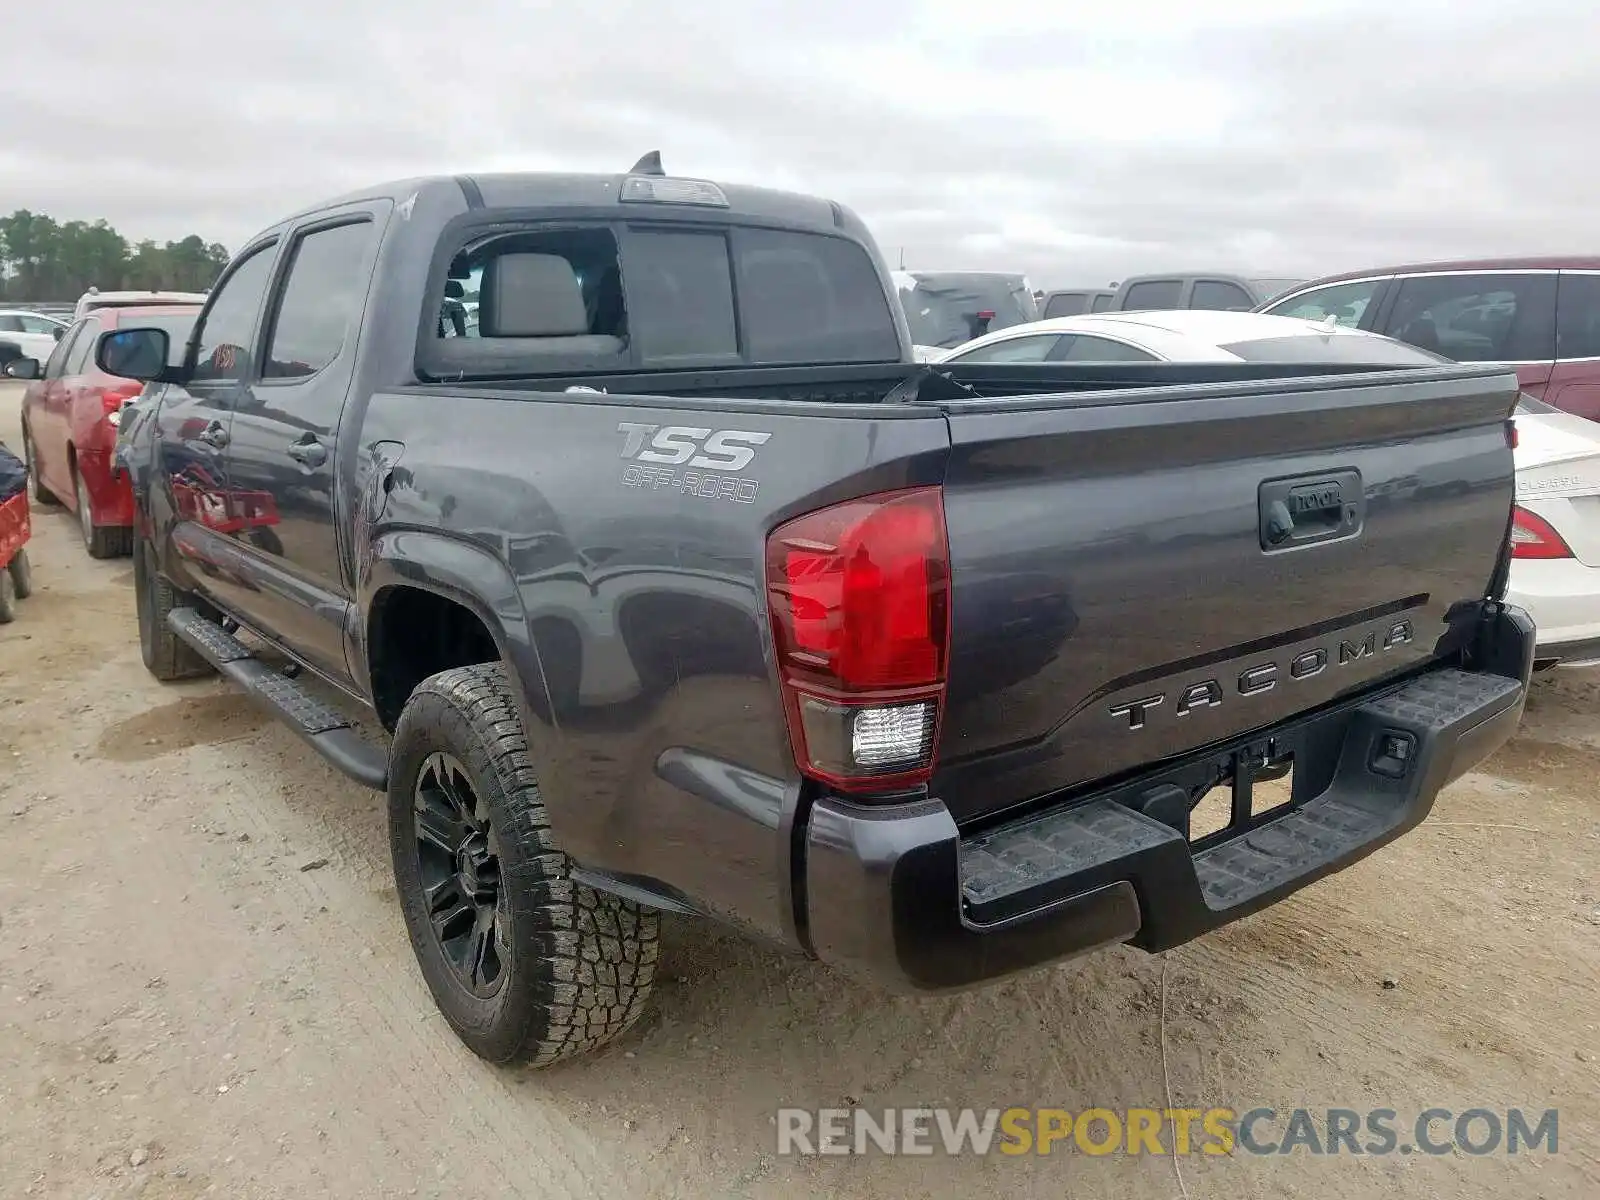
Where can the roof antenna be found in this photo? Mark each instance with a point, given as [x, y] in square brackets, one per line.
[650, 164]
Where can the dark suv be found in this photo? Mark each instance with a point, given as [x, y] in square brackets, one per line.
[1539, 315]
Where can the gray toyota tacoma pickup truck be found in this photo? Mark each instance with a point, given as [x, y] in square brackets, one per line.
[674, 584]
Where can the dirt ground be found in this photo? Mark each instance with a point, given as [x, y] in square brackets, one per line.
[206, 989]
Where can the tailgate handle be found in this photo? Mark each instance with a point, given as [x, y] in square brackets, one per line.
[1310, 509]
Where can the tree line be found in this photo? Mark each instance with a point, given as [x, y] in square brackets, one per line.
[43, 260]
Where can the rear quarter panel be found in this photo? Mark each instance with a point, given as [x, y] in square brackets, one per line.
[630, 605]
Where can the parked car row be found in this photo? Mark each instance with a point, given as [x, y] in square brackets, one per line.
[71, 410]
[1539, 315]
[1205, 289]
[1555, 570]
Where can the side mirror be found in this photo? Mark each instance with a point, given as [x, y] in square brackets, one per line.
[22, 368]
[133, 354]
[57, 332]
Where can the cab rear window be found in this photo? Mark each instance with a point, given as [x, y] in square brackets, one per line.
[614, 297]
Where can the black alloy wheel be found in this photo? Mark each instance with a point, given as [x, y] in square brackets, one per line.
[458, 856]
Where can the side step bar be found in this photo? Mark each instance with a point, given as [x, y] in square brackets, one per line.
[326, 730]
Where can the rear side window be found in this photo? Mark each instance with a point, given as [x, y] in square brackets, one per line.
[9, 324]
[1065, 304]
[177, 326]
[1084, 348]
[1012, 350]
[1153, 294]
[58, 357]
[1333, 348]
[1346, 303]
[1578, 316]
[1220, 294]
[81, 358]
[808, 297]
[322, 300]
[680, 287]
[1478, 317]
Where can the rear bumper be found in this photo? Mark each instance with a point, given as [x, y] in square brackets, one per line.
[110, 496]
[898, 895]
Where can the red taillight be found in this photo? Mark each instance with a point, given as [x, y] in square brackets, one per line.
[113, 398]
[985, 314]
[1534, 537]
[860, 601]
[1511, 434]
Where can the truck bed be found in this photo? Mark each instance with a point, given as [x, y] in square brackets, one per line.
[910, 382]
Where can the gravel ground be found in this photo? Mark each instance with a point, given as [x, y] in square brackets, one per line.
[205, 987]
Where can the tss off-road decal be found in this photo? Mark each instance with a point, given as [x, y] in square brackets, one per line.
[710, 460]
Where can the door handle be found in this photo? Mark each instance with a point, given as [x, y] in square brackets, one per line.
[309, 454]
[215, 435]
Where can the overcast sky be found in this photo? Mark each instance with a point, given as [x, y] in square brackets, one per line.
[1293, 137]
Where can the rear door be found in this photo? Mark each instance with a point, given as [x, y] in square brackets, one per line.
[68, 404]
[1575, 379]
[281, 476]
[47, 422]
[1502, 317]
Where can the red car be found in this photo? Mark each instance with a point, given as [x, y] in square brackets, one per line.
[69, 423]
[1539, 315]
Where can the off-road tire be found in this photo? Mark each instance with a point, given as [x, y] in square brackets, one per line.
[579, 964]
[166, 656]
[30, 455]
[21, 571]
[8, 598]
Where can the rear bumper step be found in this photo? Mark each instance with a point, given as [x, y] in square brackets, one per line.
[326, 730]
[899, 895]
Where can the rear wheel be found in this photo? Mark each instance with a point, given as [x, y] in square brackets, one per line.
[21, 571]
[166, 655]
[102, 541]
[31, 455]
[525, 964]
[8, 598]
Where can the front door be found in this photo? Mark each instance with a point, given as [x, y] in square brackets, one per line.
[192, 513]
[281, 471]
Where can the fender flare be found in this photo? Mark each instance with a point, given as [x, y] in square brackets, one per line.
[460, 571]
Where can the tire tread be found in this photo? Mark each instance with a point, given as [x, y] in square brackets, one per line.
[595, 953]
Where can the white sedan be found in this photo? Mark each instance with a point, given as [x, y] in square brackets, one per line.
[33, 334]
[1555, 533]
[1188, 335]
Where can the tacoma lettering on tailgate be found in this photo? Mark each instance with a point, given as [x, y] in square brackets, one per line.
[1264, 676]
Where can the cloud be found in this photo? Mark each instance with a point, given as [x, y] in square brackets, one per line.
[1080, 145]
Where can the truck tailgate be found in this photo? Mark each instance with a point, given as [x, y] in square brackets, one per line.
[1138, 575]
